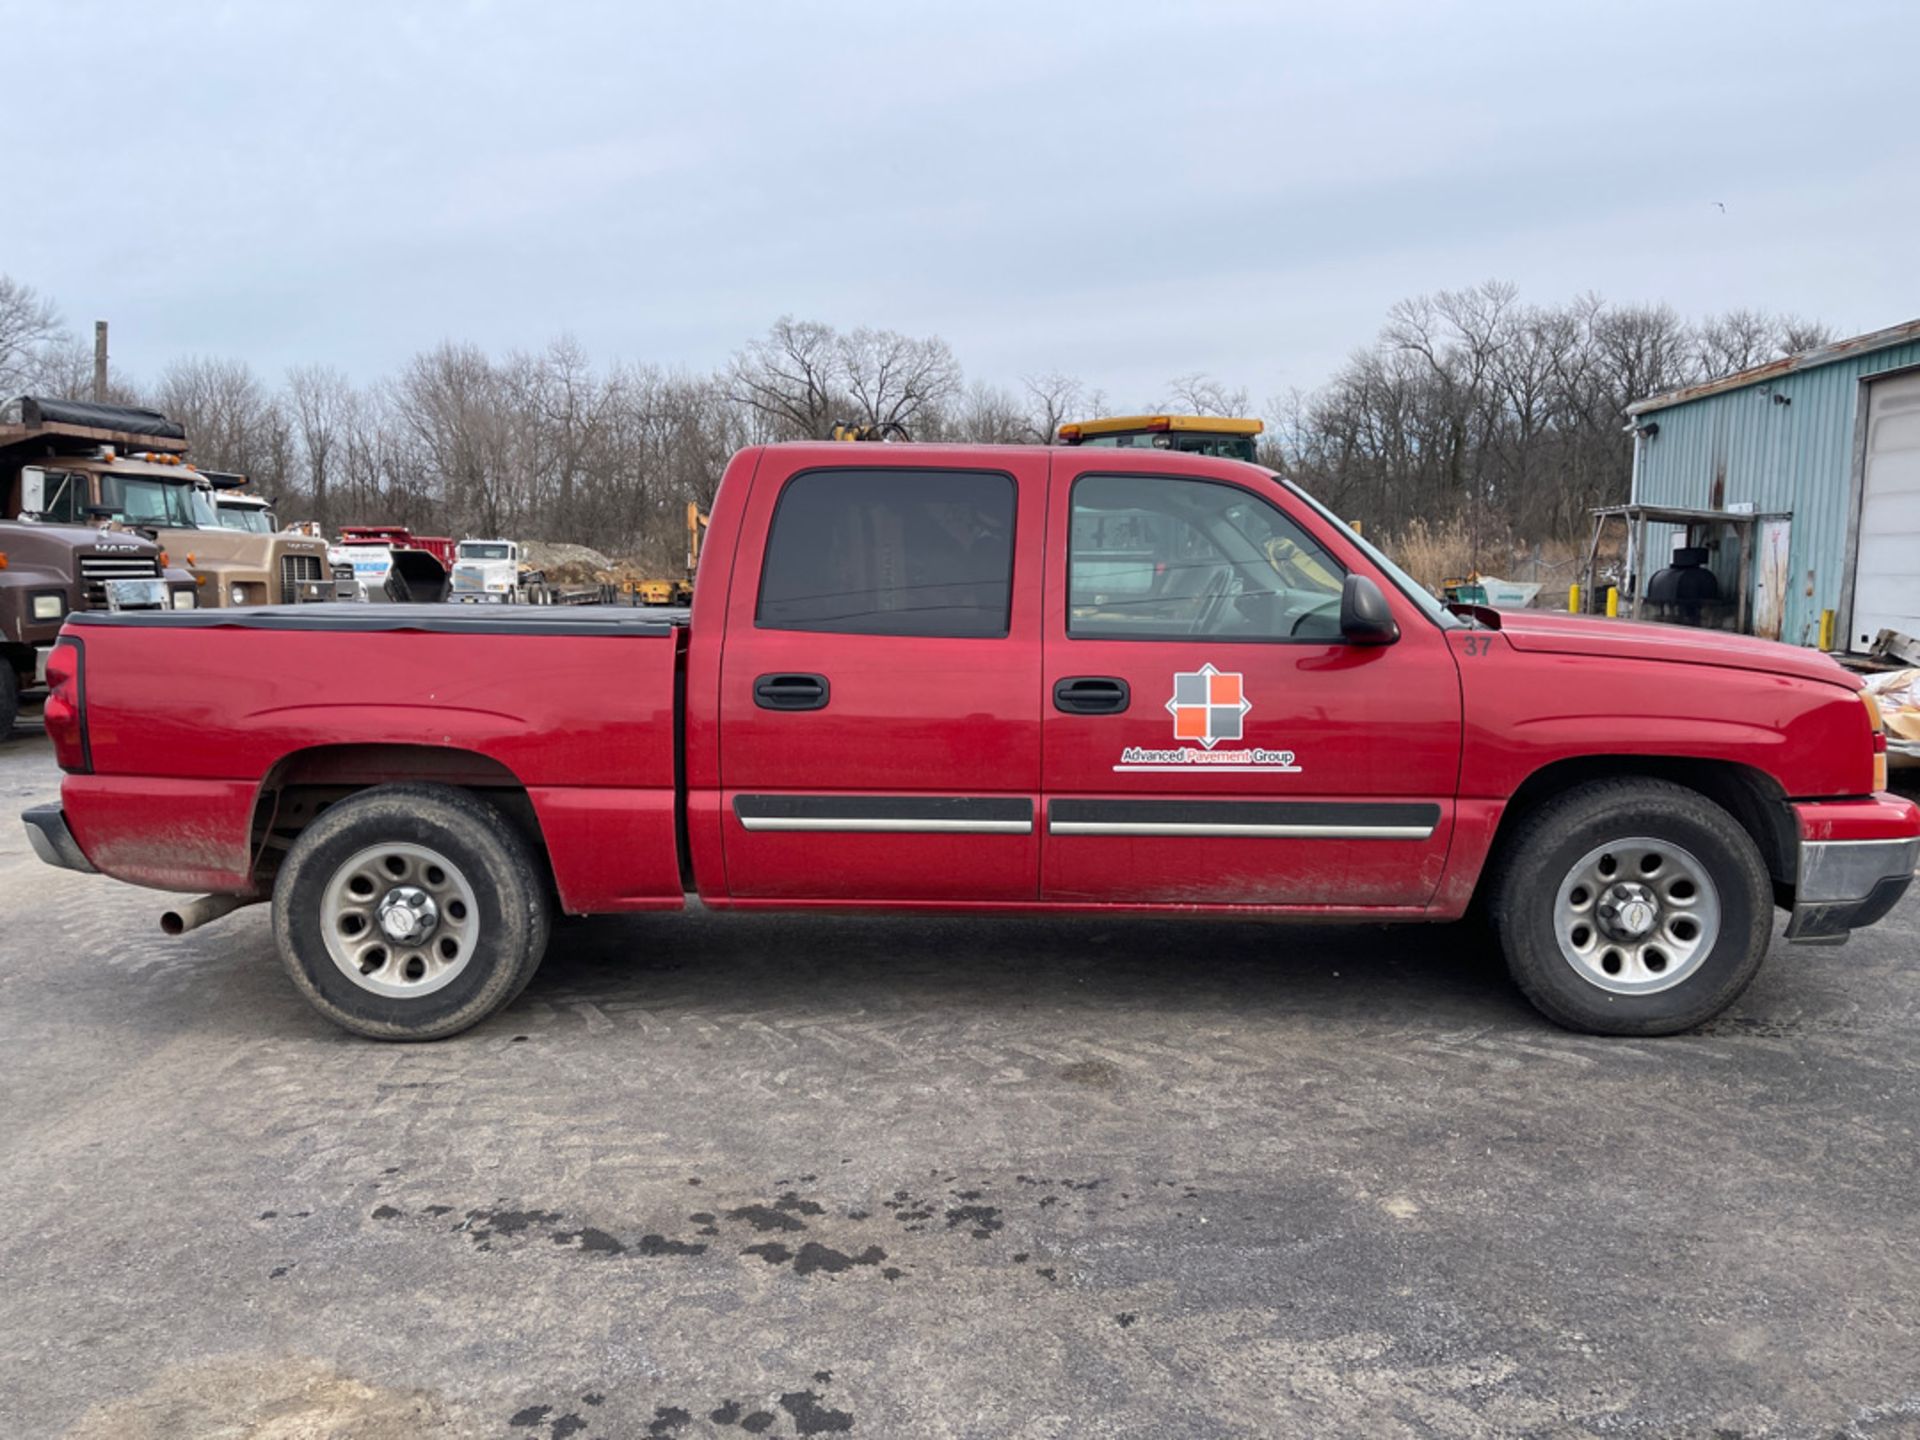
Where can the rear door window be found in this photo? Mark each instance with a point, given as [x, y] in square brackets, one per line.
[891, 552]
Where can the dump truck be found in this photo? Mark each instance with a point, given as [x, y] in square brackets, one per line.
[239, 508]
[141, 481]
[391, 563]
[922, 679]
[49, 570]
[1230, 437]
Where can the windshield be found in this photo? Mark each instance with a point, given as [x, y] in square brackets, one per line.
[139, 500]
[248, 518]
[1402, 581]
[472, 551]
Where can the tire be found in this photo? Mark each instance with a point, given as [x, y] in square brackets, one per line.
[1673, 932]
[476, 899]
[9, 698]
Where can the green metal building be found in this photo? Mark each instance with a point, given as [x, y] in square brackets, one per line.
[1826, 444]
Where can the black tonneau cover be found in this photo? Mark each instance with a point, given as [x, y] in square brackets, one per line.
[610, 620]
[128, 419]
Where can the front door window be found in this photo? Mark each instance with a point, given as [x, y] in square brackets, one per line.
[1158, 559]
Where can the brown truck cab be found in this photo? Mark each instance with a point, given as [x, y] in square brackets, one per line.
[50, 570]
[69, 472]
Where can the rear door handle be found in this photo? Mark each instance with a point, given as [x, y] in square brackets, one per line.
[791, 692]
[1091, 695]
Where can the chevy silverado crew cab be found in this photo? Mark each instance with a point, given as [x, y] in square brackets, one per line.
[986, 680]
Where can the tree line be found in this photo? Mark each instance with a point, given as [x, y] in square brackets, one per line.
[1468, 406]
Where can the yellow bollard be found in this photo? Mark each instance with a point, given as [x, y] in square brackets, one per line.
[1827, 619]
[1573, 598]
[1613, 602]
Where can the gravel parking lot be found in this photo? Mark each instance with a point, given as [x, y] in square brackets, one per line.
[901, 1178]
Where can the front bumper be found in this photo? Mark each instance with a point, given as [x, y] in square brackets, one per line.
[52, 841]
[1857, 858]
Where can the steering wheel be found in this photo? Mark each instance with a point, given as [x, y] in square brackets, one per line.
[1212, 600]
[1317, 612]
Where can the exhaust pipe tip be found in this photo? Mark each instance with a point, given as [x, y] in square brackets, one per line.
[195, 913]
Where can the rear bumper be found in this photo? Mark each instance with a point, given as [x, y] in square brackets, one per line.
[52, 841]
[1857, 859]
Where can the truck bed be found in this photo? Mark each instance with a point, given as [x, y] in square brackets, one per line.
[220, 716]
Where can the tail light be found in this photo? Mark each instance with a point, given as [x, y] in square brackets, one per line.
[1879, 727]
[65, 716]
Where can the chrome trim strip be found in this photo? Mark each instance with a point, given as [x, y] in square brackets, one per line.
[1272, 832]
[888, 826]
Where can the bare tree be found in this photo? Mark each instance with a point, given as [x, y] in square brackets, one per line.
[30, 333]
[894, 378]
[232, 421]
[322, 403]
[789, 376]
[451, 401]
[1053, 399]
[1201, 394]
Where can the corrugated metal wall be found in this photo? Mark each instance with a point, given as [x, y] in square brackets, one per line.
[1741, 445]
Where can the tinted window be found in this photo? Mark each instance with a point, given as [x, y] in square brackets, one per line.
[1157, 559]
[891, 552]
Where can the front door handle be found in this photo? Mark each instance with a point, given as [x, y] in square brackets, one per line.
[1091, 695]
[791, 692]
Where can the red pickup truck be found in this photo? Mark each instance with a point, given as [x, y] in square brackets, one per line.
[985, 679]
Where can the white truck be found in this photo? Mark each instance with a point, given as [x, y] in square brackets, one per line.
[490, 572]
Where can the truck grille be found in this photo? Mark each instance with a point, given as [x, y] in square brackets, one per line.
[298, 569]
[96, 570]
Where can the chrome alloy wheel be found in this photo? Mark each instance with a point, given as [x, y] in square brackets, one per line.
[1637, 915]
[399, 920]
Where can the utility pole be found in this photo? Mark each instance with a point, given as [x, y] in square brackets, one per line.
[99, 362]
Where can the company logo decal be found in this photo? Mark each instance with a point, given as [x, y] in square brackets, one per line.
[1208, 706]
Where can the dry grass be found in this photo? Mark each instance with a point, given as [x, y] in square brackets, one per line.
[1436, 551]
[1432, 552]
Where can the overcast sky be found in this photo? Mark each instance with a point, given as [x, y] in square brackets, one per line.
[1124, 192]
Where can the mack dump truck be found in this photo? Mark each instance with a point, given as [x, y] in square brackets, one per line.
[982, 680]
[69, 472]
[48, 571]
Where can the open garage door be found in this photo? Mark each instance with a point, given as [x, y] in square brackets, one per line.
[1886, 575]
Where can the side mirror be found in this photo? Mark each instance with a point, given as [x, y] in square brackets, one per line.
[33, 491]
[1365, 617]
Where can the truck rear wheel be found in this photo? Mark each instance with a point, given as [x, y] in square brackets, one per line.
[1632, 907]
[9, 697]
[410, 912]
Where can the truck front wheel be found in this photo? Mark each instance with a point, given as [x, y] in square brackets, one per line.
[9, 697]
[1632, 907]
[410, 912]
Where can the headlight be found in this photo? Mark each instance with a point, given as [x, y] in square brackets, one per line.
[48, 607]
[238, 594]
[183, 600]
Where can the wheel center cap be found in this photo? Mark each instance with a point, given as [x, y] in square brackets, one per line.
[1629, 911]
[407, 913]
